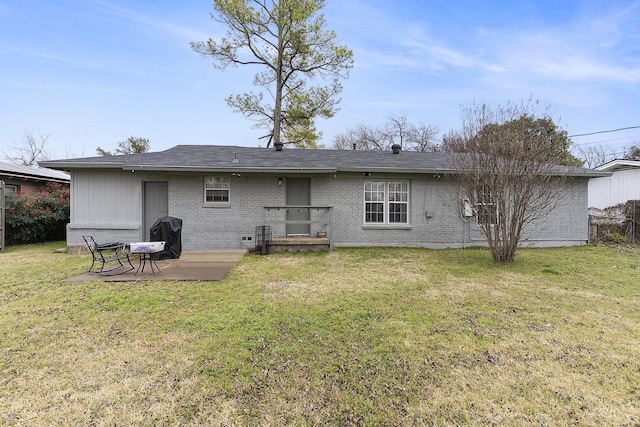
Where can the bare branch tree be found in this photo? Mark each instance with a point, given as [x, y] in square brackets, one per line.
[422, 138]
[360, 138]
[30, 151]
[397, 130]
[593, 156]
[507, 166]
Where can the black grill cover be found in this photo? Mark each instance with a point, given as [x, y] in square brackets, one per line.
[167, 229]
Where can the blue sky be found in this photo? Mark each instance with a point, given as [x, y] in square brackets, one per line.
[91, 73]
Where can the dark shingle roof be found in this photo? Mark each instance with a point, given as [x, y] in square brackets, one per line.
[221, 158]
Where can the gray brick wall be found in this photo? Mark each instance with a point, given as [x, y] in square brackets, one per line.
[567, 224]
[435, 214]
[208, 226]
[434, 220]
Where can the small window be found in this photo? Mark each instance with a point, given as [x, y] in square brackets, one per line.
[217, 189]
[10, 189]
[386, 202]
[485, 206]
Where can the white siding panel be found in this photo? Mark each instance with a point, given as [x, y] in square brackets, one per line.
[107, 204]
[106, 197]
[612, 190]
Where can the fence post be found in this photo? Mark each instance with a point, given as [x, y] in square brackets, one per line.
[633, 223]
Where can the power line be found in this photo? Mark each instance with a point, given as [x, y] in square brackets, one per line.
[604, 131]
[601, 141]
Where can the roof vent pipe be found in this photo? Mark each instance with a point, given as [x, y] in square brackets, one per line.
[278, 145]
[396, 148]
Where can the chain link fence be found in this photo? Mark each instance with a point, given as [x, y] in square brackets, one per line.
[615, 223]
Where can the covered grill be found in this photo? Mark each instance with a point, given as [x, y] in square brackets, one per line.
[167, 229]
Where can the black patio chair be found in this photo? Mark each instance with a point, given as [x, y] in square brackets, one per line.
[114, 252]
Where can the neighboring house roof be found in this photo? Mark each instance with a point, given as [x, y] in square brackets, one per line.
[619, 164]
[37, 174]
[620, 187]
[217, 158]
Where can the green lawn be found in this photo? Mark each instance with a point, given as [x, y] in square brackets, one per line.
[369, 337]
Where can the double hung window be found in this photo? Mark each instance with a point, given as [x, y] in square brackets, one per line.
[217, 189]
[485, 205]
[386, 202]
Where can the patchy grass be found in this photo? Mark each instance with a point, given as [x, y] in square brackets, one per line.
[374, 336]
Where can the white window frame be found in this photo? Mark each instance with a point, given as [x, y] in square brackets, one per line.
[216, 184]
[384, 193]
[11, 189]
[486, 209]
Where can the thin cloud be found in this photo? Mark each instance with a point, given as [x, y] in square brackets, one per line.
[595, 47]
[72, 88]
[410, 47]
[442, 57]
[574, 68]
[183, 32]
[68, 60]
[589, 49]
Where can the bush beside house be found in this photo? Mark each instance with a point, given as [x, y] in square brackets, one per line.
[37, 217]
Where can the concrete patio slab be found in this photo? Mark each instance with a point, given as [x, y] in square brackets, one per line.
[192, 265]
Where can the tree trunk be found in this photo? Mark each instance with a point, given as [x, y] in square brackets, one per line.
[277, 108]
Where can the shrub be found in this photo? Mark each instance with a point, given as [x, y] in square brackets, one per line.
[616, 238]
[40, 217]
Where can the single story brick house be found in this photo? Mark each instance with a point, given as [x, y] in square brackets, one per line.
[355, 198]
[30, 180]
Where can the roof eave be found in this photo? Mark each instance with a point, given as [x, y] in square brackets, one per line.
[614, 165]
[63, 165]
[228, 169]
[592, 174]
[35, 177]
[395, 170]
